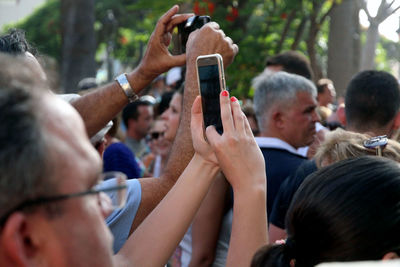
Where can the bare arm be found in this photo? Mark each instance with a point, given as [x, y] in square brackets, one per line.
[208, 40]
[167, 223]
[207, 224]
[242, 162]
[155, 239]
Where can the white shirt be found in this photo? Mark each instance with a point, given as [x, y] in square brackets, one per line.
[273, 142]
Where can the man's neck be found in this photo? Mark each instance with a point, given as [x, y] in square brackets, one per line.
[133, 135]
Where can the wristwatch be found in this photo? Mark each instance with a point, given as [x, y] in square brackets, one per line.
[122, 80]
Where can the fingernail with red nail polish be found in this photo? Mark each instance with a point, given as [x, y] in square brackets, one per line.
[233, 99]
[224, 93]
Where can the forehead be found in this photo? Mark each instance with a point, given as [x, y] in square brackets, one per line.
[75, 158]
[36, 65]
[176, 100]
[145, 109]
[304, 100]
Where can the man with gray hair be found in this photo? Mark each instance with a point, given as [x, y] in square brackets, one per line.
[285, 108]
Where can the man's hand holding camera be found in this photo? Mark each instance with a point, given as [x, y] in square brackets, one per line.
[210, 39]
[157, 58]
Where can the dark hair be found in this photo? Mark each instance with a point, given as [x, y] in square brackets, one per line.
[25, 170]
[164, 103]
[14, 42]
[292, 62]
[372, 100]
[321, 84]
[348, 211]
[131, 111]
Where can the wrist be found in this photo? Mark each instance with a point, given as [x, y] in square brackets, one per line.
[250, 186]
[204, 163]
[138, 79]
[126, 87]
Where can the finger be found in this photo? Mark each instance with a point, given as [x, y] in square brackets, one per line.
[213, 136]
[165, 19]
[235, 48]
[196, 122]
[196, 107]
[247, 127]
[226, 113]
[213, 24]
[238, 116]
[176, 19]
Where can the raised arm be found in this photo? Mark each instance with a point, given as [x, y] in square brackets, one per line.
[208, 40]
[102, 105]
[242, 162]
[156, 238]
[207, 224]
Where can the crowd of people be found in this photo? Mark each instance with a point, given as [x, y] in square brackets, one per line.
[113, 177]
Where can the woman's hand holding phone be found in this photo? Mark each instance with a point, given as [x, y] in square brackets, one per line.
[200, 145]
[242, 162]
[236, 150]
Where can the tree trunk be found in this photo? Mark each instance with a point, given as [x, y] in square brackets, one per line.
[311, 40]
[343, 44]
[368, 53]
[78, 42]
[299, 33]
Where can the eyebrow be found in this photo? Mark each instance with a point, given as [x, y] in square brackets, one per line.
[310, 108]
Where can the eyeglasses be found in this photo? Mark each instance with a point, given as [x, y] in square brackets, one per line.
[111, 193]
[156, 135]
[378, 143]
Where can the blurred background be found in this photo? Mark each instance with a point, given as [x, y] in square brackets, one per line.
[102, 38]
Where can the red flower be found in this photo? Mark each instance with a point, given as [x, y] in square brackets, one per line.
[211, 7]
[196, 8]
[123, 40]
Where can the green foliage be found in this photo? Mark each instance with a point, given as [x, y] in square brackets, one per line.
[387, 54]
[42, 29]
[257, 26]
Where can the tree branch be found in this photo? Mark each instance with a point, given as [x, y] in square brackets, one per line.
[288, 22]
[323, 18]
[394, 11]
[363, 4]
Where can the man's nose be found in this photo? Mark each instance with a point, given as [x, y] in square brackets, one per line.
[314, 116]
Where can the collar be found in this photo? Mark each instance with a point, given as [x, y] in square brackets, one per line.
[273, 142]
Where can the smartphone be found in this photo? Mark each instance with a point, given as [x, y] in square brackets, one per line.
[211, 80]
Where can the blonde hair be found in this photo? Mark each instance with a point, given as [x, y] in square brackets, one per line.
[340, 144]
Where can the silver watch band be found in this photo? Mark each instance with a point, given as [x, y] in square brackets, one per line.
[126, 87]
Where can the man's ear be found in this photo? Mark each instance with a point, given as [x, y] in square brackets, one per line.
[16, 240]
[277, 119]
[13, 238]
[396, 121]
[390, 256]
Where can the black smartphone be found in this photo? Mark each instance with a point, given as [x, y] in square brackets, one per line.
[211, 79]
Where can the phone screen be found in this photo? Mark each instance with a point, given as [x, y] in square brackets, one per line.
[210, 89]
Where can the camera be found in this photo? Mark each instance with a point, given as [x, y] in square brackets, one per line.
[186, 27]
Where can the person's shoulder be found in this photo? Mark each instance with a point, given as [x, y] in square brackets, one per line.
[305, 168]
[282, 153]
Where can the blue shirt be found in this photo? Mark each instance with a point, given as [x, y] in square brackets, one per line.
[120, 221]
